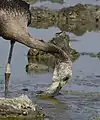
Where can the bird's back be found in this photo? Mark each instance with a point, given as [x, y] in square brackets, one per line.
[14, 15]
[15, 8]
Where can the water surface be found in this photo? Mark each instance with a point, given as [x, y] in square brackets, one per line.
[81, 96]
[65, 3]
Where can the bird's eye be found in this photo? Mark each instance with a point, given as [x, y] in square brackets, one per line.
[65, 78]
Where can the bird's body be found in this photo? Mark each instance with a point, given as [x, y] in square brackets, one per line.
[15, 16]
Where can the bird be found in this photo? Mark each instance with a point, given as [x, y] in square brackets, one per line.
[15, 17]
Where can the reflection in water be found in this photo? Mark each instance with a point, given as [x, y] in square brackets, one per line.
[54, 107]
[54, 101]
[6, 84]
[77, 19]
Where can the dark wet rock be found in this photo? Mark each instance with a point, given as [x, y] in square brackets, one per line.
[77, 19]
[19, 106]
[98, 54]
[62, 69]
[54, 1]
[91, 54]
[39, 61]
[95, 118]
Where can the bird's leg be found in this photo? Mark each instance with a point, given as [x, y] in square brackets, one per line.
[7, 68]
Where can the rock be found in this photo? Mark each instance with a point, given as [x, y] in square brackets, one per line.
[45, 62]
[62, 69]
[77, 19]
[19, 106]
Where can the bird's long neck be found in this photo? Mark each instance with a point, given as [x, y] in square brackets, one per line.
[43, 46]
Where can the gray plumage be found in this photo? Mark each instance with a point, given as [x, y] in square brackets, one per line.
[15, 16]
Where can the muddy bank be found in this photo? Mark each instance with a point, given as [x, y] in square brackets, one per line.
[77, 19]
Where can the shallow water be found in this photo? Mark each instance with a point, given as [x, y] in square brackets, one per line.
[53, 4]
[81, 96]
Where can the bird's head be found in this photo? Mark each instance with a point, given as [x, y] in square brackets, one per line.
[62, 72]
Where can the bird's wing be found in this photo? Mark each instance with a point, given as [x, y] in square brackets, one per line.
[16, 8]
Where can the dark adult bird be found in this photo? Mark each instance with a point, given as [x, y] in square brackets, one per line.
[15, 16]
